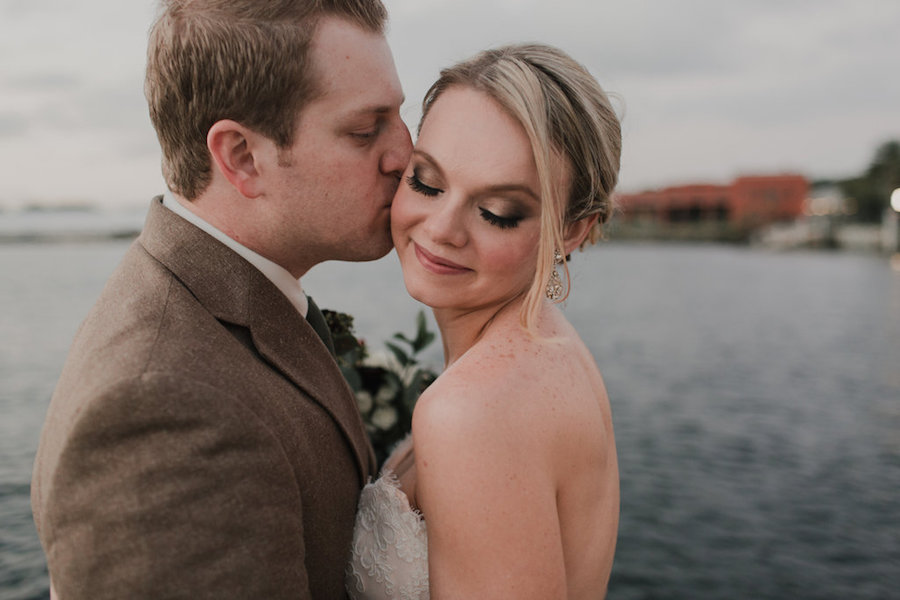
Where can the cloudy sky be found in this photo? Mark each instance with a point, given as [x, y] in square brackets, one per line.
[708, 89]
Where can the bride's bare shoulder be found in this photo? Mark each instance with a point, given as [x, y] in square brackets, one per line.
[516, 392]
[470, 396]
[498, 366]
[472, 427]
[506, 390]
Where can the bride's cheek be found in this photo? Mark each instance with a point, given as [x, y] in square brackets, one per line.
[402, 214]
[397, 209]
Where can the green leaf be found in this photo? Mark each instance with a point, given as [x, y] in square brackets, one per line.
[423, 336]
[402, 357]
[421, 380]
[352, 376]
[424, 341]
[411, 394]
[403, 338]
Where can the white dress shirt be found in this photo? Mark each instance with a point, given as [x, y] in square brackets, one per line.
[278, 275]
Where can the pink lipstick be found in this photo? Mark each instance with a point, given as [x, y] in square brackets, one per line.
[436, 264]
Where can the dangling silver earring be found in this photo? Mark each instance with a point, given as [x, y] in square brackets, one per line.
[554, 285]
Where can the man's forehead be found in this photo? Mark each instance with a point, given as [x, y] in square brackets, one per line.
[354, 69]
[361, 94]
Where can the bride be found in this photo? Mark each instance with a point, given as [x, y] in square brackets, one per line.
[508, 485]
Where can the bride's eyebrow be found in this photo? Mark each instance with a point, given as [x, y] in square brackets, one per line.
[499, 188]
[430, 160]
[506, 188]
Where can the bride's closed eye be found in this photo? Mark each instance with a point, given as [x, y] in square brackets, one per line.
[499, 221]
[417, 186]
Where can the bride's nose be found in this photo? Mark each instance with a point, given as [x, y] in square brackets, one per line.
[447, 224]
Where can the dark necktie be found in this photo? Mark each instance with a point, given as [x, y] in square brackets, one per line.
[315, 318]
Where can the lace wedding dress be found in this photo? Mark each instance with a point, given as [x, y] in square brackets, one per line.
[390, 546]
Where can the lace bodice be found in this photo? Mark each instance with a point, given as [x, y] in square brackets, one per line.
[390, 546]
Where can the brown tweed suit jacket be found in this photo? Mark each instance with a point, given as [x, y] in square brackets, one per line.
[201, 442]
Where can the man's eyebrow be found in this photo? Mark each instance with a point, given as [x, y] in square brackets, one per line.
[379, 109]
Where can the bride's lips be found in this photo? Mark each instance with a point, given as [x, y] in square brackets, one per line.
[436, 264]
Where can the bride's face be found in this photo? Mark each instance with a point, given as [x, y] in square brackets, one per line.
[466, 218]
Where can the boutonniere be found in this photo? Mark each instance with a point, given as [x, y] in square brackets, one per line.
[386, 383]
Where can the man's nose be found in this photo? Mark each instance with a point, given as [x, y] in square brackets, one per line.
[396, 156]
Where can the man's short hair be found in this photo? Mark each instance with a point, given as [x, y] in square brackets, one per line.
[245, 60]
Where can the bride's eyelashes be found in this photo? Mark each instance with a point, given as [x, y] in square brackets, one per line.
[498, 221]
[417, 186]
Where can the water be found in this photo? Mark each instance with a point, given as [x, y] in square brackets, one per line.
[756, 399]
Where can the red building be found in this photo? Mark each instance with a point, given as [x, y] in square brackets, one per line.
[747, 201]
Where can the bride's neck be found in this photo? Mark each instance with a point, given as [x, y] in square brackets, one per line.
[462, 329]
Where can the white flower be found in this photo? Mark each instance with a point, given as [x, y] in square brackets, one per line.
[364, 401]
[386, 393]
[384, 417]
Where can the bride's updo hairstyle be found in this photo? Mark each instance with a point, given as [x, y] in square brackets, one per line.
[574, 132]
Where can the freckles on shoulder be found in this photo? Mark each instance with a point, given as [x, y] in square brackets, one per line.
[492, 393]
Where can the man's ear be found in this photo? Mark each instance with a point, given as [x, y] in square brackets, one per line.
[235, 151]
[577, 231]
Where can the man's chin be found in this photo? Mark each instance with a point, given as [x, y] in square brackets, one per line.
[370, 252]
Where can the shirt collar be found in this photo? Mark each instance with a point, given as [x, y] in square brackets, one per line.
[278, 275]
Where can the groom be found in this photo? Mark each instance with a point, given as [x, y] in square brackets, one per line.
[201, 442]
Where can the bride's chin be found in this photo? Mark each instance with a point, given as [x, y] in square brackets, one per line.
[426, 297]
[430, 296]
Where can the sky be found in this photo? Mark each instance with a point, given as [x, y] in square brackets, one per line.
[707, 90]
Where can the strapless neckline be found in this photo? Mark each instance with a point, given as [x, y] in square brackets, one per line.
[389, 556]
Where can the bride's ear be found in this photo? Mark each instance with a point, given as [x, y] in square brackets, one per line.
[576, 232]
[236, 151]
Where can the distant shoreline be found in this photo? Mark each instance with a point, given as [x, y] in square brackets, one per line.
[41, 237]
[89, 226]
[70, 224]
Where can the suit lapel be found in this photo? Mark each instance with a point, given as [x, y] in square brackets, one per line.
[236, 292]
[287, 341]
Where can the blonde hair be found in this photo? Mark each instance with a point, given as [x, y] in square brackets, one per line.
[246, 60]
[574, 132]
